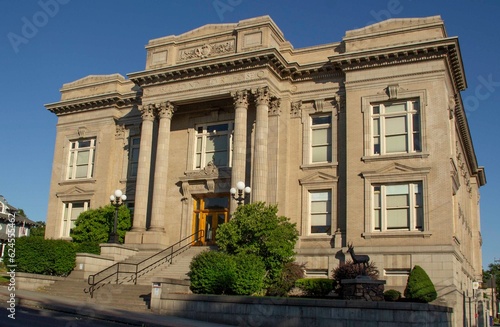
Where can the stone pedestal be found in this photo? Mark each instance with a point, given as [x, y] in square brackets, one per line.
[363, 288]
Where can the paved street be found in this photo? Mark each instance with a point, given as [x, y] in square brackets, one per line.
[27, 316]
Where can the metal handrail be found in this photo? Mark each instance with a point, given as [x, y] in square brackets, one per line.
[148, 264]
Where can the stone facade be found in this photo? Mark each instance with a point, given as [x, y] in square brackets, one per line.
[363, 140]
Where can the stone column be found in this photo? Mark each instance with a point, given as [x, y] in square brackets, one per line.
[143, 169]
[239, 140]
[165, 111]
[259, 172]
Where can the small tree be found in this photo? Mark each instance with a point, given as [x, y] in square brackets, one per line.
[38, 230]
[419, 287]
[257, 229]
[95, 225]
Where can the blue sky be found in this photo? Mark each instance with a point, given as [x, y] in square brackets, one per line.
[46, 43]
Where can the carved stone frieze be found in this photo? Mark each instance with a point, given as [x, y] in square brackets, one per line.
[296, 109]
[120, 131]
[240, 98]
[207, 50]
[165, 109]
[274, 106]
[147, 111]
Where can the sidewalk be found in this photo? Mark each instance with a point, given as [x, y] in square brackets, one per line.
[97, 311]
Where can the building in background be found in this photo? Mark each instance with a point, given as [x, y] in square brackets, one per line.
[363, 141]
[9, 215]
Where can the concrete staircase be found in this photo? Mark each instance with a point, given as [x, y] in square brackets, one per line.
[126, 295]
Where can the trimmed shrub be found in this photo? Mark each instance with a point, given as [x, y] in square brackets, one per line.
[290, 273]
[39, 256]
[392, 295]
[350, 270]
[315, 287]
[419, 287]
[87, 247]
[212, 272]
[249, 274]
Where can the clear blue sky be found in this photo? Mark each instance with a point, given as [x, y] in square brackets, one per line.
[78, 38]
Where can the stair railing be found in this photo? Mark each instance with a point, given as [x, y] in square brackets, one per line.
[122, 272]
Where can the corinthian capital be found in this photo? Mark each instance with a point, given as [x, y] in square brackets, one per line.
[165, 109]
[262, 95]
[240, 98]
[147, 111]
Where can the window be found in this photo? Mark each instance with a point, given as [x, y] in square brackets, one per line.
[70, 213]
[133, 156]
[396, 127]
[321, 138]
[81, 159]
[397, 207]
[321, 212]
[213, 144]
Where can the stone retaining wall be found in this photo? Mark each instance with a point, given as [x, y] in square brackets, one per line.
[290, 312]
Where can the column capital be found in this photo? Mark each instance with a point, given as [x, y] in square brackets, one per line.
[274, 106]
[261, 95]
[165, 109]
[147, 111]
[240, 98]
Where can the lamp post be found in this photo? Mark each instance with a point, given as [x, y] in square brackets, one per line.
[117, 200]
[240, 188]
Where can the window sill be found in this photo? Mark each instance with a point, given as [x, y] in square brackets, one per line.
[312, 237]
[396, 234]
[78, 181]
[321, 165]
[371, 158]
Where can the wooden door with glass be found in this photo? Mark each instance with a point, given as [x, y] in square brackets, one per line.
[208, 214]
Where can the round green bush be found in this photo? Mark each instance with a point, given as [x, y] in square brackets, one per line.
[419, 287]
[212, 272]
[315, 287]
[249, 274]
[392, 295]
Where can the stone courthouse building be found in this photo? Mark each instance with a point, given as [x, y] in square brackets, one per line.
[363, 140]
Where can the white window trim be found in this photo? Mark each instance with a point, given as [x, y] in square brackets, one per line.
[318, 182]
[395, 174]
[308, 111]
[403, 95]
[204, 162]
[92, 156]
[65, 232]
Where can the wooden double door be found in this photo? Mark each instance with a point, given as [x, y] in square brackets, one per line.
[208, 214]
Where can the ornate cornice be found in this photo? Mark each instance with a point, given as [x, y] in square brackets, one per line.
[266, 58]
[447, 49]
[115, 100]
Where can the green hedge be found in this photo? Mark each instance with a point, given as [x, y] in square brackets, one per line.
[47, 257]
[315, 287]
[392, 295]
[214, 272]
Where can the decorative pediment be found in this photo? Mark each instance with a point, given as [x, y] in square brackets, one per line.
[396, 168]
[318, 177]
[74, 191]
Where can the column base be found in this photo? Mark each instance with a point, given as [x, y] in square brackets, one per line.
[134, 237]
[155, 237]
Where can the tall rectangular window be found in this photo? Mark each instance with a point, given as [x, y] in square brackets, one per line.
[321, 138]
[81, 159]
[396, 127]
[398, 207]
[213, 145]
[133, 156]
[321, 212]
[70, 213]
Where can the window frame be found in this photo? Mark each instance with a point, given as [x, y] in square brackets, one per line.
[131, 162]
[392, 174]
[328, 212]
[72, 164]
[328, 144]
[403, 95]
[203, 136]
[67, 221]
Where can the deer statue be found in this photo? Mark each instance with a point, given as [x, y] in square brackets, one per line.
[358, 259]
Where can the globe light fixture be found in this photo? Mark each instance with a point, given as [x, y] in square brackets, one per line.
[116, 199]
[240, 192]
